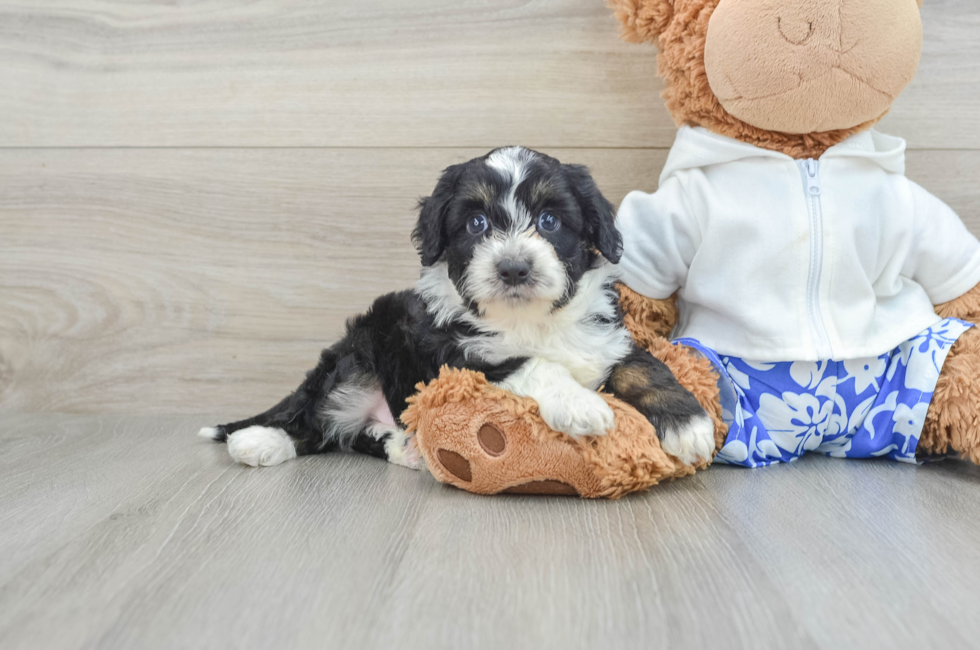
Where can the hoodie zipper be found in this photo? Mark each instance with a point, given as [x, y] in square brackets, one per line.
[810, 169]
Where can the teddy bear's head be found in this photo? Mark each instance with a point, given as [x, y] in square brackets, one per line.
[796, 76]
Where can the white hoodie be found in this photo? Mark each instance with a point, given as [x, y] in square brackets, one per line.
[783, 260]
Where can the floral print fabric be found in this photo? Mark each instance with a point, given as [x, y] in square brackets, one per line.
[859, 408]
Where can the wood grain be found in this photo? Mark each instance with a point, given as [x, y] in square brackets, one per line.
[182, 281]
[544, 73]
[123, 532]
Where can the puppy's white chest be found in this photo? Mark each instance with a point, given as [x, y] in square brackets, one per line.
[586, 351]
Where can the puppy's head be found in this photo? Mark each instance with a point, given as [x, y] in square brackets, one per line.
[516, 227]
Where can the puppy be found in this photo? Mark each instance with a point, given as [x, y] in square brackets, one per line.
[518, 283]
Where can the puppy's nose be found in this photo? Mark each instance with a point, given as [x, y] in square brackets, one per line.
[513, 272]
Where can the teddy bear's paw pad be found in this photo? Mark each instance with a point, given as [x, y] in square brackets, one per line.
[455, 464]
[492, 440]
[543, 487]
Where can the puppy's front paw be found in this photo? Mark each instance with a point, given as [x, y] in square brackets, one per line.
[691, 440]
[577, 413]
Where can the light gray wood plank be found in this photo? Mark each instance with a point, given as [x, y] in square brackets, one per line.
[862, 549]
[127, 532]
[138, 496]
[183, 281]
[548, 73]
[341, 73]
[930, 113]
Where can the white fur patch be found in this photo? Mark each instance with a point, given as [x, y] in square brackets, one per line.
[545, 283]
[692, 442]
[584, 336]
[512, 164]
[211, 433]
[349, 409]
[261, 446]
[440, 295]
[399, 447]
[564, 404]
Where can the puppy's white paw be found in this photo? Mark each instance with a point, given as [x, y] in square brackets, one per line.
[691, 441]
[261, 446]
[401, 449]
[577, 413]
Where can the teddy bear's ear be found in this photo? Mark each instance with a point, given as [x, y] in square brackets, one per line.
[643, 20]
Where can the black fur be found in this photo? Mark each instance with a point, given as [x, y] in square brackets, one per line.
[429, 235]
[599, 213]
[647, 384]
[397, 342]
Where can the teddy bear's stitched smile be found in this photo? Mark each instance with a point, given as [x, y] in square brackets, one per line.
[806, 67]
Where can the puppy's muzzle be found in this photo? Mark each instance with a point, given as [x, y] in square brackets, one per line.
[514, 272]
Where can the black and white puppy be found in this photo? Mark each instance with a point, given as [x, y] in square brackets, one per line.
[518, 283]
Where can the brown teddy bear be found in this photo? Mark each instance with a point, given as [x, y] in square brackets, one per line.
[818, 300]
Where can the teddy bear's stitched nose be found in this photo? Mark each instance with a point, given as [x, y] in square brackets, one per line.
[825, 24]
[797, 30]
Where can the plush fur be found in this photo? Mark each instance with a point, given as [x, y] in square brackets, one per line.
[679, 29]
[810, 66]
[953, 420]
[455, 414]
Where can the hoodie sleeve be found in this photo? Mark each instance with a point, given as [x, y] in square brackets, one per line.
[945, 257]
[660, 238]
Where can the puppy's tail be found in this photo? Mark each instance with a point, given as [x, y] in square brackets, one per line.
[277, 416]
[218, 433]
[221, 432]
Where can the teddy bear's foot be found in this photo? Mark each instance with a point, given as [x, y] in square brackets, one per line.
[481, 446]
[493, 446]
[953, 420]
[483, 439]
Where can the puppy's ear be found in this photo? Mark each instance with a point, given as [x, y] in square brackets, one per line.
[429, 235]
[600, 215]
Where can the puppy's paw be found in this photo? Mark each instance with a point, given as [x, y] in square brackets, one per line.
[402, 450]
[577, 413]
[691, 440]
[261, 446]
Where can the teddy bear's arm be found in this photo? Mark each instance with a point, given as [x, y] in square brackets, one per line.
[966, 307]
[647, 319]
[945, 256]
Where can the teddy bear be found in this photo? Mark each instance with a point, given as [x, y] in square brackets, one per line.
[809, 295]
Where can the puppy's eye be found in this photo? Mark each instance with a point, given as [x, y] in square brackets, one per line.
[477, 225]
[548, 222]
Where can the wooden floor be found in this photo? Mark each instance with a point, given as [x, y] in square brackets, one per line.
[194, 195]
[124, 532]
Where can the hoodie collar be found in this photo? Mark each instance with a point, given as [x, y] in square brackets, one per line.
[697, 147]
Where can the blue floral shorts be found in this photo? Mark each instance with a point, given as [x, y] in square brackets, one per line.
[859, 408]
